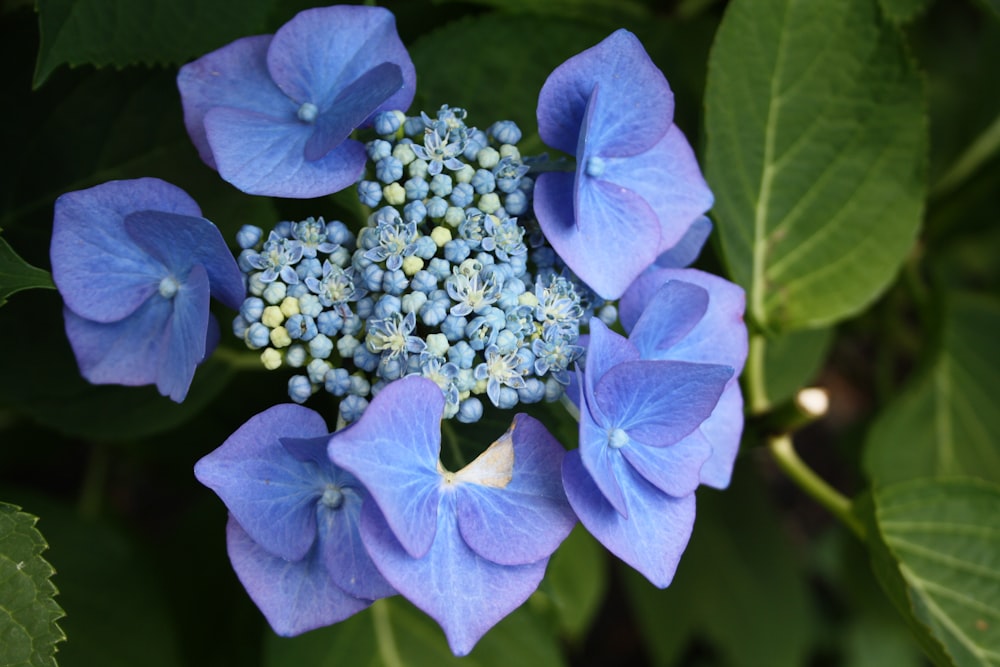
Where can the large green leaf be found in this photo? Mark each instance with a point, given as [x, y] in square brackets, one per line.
[394, 633]
[28, 613]
[792, 361]
[947, 422]
[17, 275]
[945, 537]
[153, 32]
[575, 582]
[816, 153]
[739, 586]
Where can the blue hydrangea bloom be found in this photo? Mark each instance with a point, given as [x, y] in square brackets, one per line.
[294, 520]
[632, 480]
[136, 265]
[689, 315]
[637, 187]
[272, 113]
[467, 547]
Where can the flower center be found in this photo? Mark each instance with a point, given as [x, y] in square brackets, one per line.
[308, 112]
[332, 497]
[595, 166]
[169, 287]
[617, 438]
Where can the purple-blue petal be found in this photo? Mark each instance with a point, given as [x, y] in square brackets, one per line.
[606, 234]
[271, 493]
[180, 241]
[393, 449]
[720, 337]
[667, 177]
[672, 312]
[723, 430]
[342, 549]
[604, 464]
[321, 51]
[185, 337]
[659, 402]
[263, 156]
[656, 532]
[294, 596]
[637, 105]
[685, 251]
[605, 350]
[235, 76]
[353, 105]
[675, 470]
[125, 352]
[526, 520]
[101, 274]
[465, 593]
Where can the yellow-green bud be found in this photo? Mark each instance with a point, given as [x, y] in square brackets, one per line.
[440, 236]
[411, 265]
[271, 358]
[280, 337]
[394, 194]
[289, 306]
[272, 317]
[487, 157]
[489, 202]
[510, 150]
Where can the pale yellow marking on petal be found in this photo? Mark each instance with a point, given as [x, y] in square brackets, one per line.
[494, 467]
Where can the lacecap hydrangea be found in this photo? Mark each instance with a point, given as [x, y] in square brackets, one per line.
[480, 280]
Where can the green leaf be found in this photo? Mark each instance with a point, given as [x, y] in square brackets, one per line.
[596, 11]
[575, 582]
[394, 633]
[116, 614]
[738, 585]
[816, 151]
[496, 82]
[793, 360]
[17, 275]
[945, 537]
[902, 11]
[28, 613]
[154, 32]
[946, 422]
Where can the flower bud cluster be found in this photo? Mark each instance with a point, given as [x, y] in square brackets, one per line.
[449, 279]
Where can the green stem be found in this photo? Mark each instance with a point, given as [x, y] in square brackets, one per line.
[384, 638]
[985, 146]
[754, 375]
[239, 360]
[836, 503]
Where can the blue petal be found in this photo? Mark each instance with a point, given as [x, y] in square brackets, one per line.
[652, 538]
[637, 106]
[354, 104]
[660, 402]
[186, 336]
[271, 493]
[262, 156]
[321, 51]
[101, 274]
[393, 449]
[343, 552]
[465, 593]
[180, 241]
[673, 311]
[607, 236]
[605, 350]
[603, 463]
[723, 430]
[234, 76]
[527, 518]
[125, 352]
[668, 179]
[685, 251]
[294, 596]
[675, 470]
[720, 337]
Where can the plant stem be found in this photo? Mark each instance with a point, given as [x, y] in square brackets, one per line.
[384, 638]
[239, 360]
[836, 503]
[757, 399]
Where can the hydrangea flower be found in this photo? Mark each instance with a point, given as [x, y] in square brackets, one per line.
[272, 113]
[467, 547]
[689, 315]
[136, 264]
[637, 187]
[292, 533]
